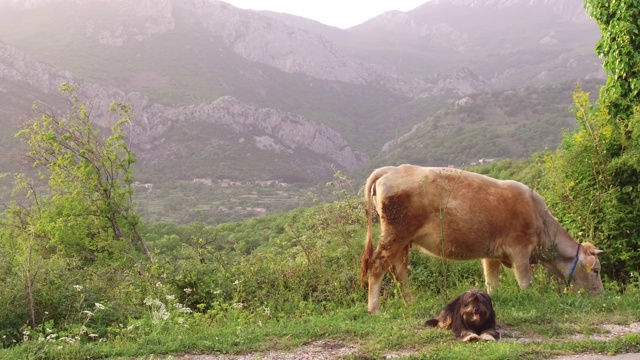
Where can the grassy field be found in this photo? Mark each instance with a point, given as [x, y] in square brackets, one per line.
[539, 323]
[289, 283]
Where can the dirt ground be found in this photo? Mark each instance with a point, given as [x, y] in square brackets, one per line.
[613, 331]
[330, 349]
[635, 356]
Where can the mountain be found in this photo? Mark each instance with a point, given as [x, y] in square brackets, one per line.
[511, 43]
[221, 92]
[484, 127]
[250, 137]
[169, 135]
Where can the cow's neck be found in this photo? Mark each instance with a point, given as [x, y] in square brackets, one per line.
[560, 248]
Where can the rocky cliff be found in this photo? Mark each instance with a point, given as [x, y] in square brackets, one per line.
[281, 131]
[269, 129]
[252, 35]
[16, 66]
[572, 10]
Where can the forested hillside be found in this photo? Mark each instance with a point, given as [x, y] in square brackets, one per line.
[487, 126]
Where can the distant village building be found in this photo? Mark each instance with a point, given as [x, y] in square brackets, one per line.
[259, 211]
[229, 182]
[148, 186]
[266, 182]
[483, 161]
[486, 161]
[203, 181]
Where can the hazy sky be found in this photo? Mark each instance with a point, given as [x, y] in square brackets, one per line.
[339, 13]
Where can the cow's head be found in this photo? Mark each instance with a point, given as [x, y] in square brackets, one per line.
[587, 272]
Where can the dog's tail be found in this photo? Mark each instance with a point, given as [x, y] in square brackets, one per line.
[369, 194]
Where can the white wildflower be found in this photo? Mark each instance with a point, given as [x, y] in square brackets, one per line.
[237, 305]
[78, 287]
[99, 306]
[67, 340]
[88, 313]
[159, 310]
[171, 297]
[188, 291]
[183, 309]
[153, 302]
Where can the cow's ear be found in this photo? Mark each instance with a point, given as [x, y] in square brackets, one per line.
[596, 252]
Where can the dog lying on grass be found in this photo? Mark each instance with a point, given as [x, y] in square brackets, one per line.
[470, 316]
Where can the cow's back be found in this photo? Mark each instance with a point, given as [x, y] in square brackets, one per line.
[457, 214]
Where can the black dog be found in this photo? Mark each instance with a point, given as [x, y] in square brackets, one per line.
[470, 316]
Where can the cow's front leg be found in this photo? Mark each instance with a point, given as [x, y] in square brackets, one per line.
[491, 273]
[522, 270]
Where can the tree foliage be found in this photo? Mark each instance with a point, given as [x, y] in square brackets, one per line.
[593, 179]
[73, 224]
[88, 207]
[619, 47]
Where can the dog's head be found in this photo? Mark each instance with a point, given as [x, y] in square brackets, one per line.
[475, 307]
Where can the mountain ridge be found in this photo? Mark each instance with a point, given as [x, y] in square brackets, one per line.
[286, 131]
[221, 92]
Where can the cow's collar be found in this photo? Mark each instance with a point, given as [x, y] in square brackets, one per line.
[573, 267]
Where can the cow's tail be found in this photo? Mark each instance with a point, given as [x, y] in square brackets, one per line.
[369, 193]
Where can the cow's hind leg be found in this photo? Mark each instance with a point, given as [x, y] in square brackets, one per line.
[382, 260]
[400, 266]
[491, 273]
[378, 266]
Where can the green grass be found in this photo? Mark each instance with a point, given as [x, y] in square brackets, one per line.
[546, 320]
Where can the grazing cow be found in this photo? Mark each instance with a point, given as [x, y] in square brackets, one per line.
[459, 215]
